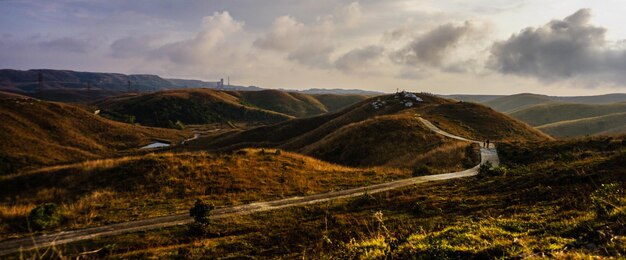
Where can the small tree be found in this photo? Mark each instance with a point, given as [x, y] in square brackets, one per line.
[200, 213]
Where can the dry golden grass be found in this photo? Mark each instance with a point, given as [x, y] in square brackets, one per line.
[541, 208]
[135, 187]
[36, 133]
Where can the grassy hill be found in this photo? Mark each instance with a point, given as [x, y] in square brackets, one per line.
[294, 104]
[136, 187]
[600, 125]
[35, 133]
[297, 104]
[512, 103]
[556, 112]
[188, 106]
[362, 135]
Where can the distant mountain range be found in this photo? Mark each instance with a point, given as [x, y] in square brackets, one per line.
[74, 85]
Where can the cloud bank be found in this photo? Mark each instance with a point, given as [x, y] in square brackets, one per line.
[568, 49]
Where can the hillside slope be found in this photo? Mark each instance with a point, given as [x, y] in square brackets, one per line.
[118, 190]
[297, 104]
[512, 103]
[189, 106]
[601, 125]
[556, 112]
[35, 133]
[381, 131]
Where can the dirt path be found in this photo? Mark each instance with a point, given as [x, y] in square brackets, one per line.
[63, 237]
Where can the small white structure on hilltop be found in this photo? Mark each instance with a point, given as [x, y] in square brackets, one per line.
[413, 96]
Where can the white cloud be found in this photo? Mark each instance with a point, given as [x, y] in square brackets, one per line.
[215, 31]
[285, 34]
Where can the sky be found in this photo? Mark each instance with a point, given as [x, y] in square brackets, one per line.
[446, 47]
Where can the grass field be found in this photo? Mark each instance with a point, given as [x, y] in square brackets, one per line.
[545, 205]
[115, 190]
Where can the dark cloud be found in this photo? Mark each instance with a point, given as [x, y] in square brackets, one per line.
[65, 44]
[562, 49]
[358, 58]
[432, 47]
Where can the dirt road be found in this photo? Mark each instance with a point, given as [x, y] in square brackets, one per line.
[63, 237]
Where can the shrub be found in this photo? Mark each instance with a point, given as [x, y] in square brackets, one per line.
[421, 170]
[200, 212]
[487, 169]
[418, 209]
[44, 216]
[484, 168]
[278, 152]
[605, 199]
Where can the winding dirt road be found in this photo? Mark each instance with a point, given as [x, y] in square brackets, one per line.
[63, 237]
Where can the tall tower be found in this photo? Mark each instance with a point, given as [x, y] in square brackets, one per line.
[228, 80]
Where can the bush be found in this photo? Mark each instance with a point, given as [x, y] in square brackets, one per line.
[44, 216]
[421, 170]
[200, 212]
[418, 209]
[606, 199]
[487, 169]
[484, 168]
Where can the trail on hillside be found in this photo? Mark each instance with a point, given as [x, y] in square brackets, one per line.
[63, 237]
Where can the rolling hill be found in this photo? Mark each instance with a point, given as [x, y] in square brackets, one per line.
[35, 133]
[188, 106]
[297, 104]
[601, 125]
[512, 103]
[199, 106]
[381, 131]
[556, 112]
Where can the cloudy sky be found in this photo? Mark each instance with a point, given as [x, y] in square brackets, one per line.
[458, 46]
